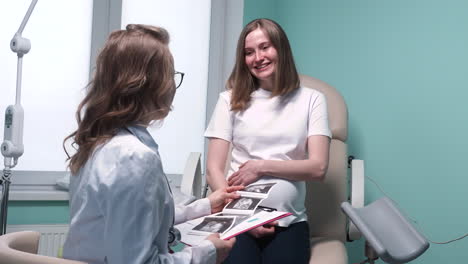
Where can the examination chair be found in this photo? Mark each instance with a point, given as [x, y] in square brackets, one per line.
[327, 223]
[389, 235]
[329, 228]
[21, 248]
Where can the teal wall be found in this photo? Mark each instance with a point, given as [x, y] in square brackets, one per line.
[37, 212]
[402, 67]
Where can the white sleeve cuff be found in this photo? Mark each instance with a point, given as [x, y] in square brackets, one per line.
[200, 208]
[191, 211]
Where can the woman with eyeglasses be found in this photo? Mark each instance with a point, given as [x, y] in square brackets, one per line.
[279, 134]
[121, 205]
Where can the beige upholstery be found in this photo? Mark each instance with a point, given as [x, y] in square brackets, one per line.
[21, 248]
[326, 220]
[328, 251]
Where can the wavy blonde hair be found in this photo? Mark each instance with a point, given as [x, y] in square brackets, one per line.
[243, 83]
[133, 84]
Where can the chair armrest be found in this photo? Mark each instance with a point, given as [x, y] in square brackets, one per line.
[388, 232]
[26, 241]
[373, 240]
[21, 247]
[356, 195]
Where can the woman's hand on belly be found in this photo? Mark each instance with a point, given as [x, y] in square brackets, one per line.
[248, 173]
[264, 230]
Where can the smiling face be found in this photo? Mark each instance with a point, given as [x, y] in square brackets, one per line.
[261, 58]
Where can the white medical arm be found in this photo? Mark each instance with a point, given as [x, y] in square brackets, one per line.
[356, 194]
[12, 147]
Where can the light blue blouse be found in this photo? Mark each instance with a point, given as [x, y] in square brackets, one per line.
[121, 207]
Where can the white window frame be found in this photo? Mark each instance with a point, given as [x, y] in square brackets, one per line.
[226, 25]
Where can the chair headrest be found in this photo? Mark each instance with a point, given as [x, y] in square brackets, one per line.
[337, 110]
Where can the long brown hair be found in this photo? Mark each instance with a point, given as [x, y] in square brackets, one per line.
[243, 83]
[133, 84]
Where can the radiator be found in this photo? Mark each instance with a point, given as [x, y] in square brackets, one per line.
[52, 237]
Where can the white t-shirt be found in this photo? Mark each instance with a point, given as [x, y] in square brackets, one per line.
[273, 128]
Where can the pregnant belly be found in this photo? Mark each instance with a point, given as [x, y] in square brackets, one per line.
[286, 195]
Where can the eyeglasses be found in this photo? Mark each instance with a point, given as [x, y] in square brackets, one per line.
[178, 78]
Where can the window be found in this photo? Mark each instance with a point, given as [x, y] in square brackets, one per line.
[55, 72]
